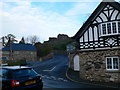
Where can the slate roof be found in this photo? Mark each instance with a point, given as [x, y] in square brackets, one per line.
[96, 12]
[20, 47]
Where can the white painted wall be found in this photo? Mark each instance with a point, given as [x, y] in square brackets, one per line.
[114, 15]
[90, 34]
[95, 33]
[103, 17]
[86, 36]
[118, 16]
[81, 39]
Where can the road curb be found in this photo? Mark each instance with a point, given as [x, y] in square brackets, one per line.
[70, 78]
[88, 83]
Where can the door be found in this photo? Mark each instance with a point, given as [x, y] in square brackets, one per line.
[76, 63]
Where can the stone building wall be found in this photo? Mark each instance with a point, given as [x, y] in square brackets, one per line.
[93, 65]
[21, 55]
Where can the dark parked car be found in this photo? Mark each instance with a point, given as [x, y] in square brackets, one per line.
[20, 78]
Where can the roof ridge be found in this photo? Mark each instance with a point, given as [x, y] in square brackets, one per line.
[20, 47]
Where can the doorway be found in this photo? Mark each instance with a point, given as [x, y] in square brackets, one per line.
[76, 63]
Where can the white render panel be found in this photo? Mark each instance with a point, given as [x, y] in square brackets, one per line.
[114, 15]
[118, 16]
[103, 17]
[94, 22]
[81, 39]
[86, 36]
[110, 7]
[95, 33]
[99, 26]
[105, 9]
[106, 12]
[98, 19]
[111, 12]
[90, 34]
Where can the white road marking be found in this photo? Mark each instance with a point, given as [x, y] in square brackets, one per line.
[65, 80]
[44, 76]
[49, 70]
[60, 79]
[53, 77]
[48, 77]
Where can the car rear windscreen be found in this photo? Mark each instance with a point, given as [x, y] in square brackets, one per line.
[23, 73]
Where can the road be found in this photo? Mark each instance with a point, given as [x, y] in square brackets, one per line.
[53, 73]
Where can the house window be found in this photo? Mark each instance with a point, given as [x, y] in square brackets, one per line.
[118, 27]
[110, 28]
[104, 28]
[112, 63]
[114, 28]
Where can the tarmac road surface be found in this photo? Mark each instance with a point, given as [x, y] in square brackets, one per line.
[53, 73]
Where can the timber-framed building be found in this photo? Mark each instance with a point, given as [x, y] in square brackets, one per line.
[98, 56]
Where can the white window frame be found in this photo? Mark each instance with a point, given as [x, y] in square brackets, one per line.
[112, 63]
[101, 29]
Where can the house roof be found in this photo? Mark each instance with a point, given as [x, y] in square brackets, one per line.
[20, 47]
[93, 16]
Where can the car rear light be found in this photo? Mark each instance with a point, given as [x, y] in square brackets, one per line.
[15, 83]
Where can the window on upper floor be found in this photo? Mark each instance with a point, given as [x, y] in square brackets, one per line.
[110, 28]
[119, 27]
[112, 63]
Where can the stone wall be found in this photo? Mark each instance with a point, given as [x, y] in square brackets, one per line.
[27, 55]
[21, 55]
[93, 65]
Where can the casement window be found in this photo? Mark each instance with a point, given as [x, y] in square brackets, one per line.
[118, 27]
[112, 63]
[114, 27]
[110, 28]
[104, 28]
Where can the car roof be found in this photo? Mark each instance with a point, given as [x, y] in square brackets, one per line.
[15, 67]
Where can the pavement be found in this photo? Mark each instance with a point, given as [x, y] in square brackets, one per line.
[74, 76]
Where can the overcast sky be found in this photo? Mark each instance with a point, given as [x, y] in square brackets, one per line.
[44, 18]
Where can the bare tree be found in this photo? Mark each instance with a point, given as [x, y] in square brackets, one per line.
[10, 39]
[3, 40]
[27, 40]
[32, 39]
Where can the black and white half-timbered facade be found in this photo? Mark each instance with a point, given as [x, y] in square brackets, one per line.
[99, 45]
